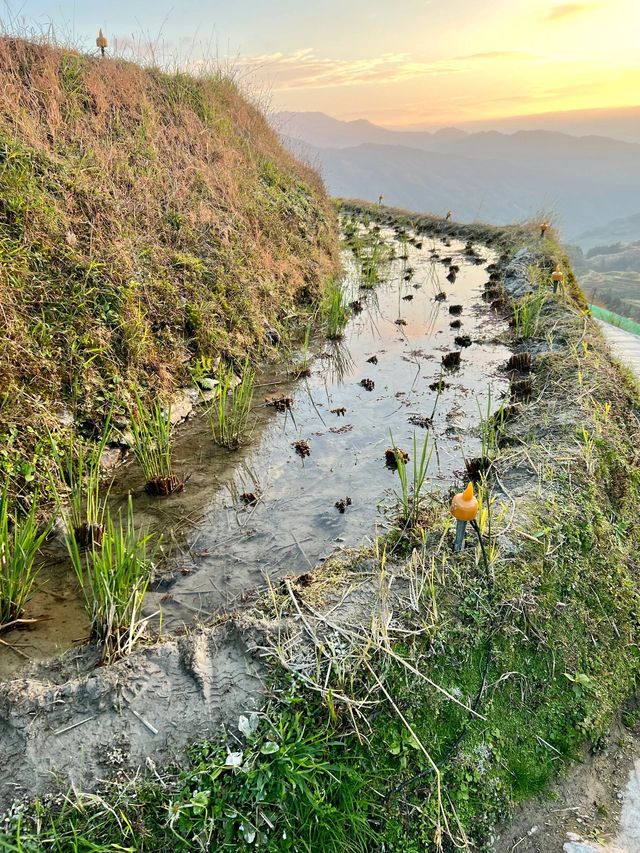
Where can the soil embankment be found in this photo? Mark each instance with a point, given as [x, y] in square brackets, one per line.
[150, 224]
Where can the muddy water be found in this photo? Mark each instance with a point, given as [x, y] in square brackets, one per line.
[218, 547]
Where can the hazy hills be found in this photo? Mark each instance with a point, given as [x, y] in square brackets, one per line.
[590, 183]
[617, 123]
[623, 230]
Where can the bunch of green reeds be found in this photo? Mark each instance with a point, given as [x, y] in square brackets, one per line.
[20, 541]
[334, 310]
[78, 471]
[151, 428]
[526, 313]
[303, 366]
[230, 409]
[375, 260]
[114, 577]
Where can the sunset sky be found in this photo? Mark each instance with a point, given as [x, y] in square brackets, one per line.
[402, 63]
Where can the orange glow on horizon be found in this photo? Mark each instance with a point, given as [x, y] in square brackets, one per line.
[531, 61]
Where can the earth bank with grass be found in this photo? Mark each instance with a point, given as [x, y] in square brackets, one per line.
[402, 697]
[151, 224]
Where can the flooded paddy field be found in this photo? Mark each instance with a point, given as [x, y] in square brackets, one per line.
[314, 476]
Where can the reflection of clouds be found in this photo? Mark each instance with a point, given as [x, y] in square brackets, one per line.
[303, 69]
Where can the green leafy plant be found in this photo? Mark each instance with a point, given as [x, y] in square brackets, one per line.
[114, 577]
[284, 788]
[20, 541]
[151, 428]
[230, 409]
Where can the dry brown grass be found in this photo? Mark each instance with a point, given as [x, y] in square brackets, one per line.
[146, 219]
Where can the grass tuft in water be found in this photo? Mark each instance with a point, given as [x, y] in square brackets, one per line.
[334, 310]
[303, 367]
[410, 497]
[20, 541]
[230, 409]
[114, 577]
[77, 486]
[151, 428]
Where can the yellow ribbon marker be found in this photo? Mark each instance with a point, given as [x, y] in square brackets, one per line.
[557, 276]
[464, 508]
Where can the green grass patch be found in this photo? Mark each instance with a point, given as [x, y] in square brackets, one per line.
[334, 311]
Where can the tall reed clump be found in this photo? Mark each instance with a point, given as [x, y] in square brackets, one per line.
[77, 486]
[151, 428]
[20, 541]
[526, 313]
[411, 489]
[334, 311]
[230, 409]
[114, 577]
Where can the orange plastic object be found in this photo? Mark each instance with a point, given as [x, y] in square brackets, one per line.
[464, 506]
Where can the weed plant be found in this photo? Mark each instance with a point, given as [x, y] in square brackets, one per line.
[491, 425]
[375, 262]
[303, 367]
[526, 313]
[410, 497]
[77, 486]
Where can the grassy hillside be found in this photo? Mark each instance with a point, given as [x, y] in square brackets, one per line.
[146, 220]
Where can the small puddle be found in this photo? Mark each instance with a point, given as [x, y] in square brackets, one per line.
[220, 547]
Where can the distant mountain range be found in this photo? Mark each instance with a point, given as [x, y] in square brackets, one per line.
[623, 230]
[589, 184]
[621, 123]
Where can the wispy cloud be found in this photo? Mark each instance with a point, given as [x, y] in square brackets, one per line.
[303, 69]
[498, 55]
[567, 10]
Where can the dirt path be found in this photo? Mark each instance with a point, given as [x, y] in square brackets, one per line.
[624, 345]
